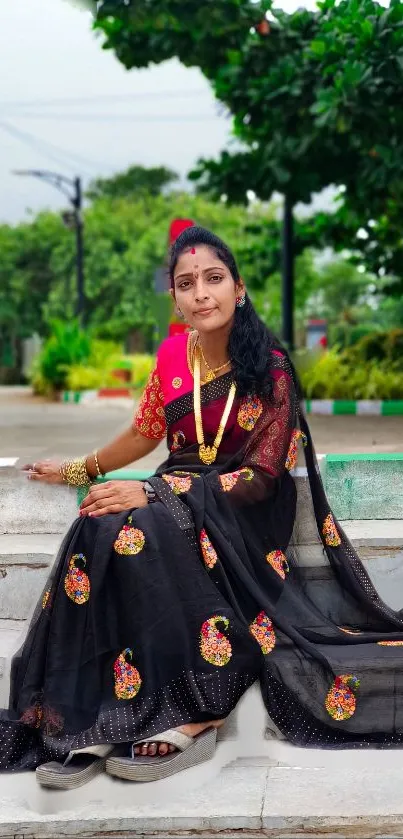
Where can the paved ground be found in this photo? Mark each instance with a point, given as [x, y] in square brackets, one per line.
[33, 428]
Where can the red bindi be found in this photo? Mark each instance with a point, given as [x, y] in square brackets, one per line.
[193, 250]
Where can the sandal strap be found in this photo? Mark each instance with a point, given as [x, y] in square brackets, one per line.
[171, 736]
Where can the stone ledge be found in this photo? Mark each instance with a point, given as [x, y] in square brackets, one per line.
[227, 797]
[28, 549]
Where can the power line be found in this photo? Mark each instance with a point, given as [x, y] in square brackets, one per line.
[49, 150]
[77, 117]
[37, 146]
[121, 97]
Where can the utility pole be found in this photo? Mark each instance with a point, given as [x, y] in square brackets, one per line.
[288, 275]
[72, 189]
[80, 311]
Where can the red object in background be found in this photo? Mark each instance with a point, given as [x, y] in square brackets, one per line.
[323, 341]
[263, 27]
[123, 375]
[177, 329]
[177, 226]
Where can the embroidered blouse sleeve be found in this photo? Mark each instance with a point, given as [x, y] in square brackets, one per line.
[267, 452]
[150, 415]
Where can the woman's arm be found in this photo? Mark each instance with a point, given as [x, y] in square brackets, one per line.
[125, 449]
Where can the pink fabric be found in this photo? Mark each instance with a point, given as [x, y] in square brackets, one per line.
[172, 367]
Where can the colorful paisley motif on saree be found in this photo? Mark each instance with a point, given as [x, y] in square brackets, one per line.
[76, 582]
[45, 598]
[262, 630]
[178, 441]
[178, 484]
[292, 455]
[340, 701]
[209, 554]
[127, 678]
[249, 412]
[130, 541]
[278, 562]
[44, 717]
[32, 716]
[230, 479]
[330, 532]
[214, 645]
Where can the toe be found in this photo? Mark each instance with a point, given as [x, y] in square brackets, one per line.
[163, 749]
[172, 749]
[152, 749]
[144, 749]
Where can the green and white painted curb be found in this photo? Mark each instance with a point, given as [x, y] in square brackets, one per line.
[362, 407]
[369, 407]
[83, 396]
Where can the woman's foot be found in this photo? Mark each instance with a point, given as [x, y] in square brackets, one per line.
[191, 729]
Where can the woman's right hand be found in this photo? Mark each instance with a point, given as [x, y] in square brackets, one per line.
[47, 471]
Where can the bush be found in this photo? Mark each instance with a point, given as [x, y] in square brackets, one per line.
[67, 345]
[142, 364]
[381, 346]
[93, 376]
[344, 335]
[339, 375]
[82, 377]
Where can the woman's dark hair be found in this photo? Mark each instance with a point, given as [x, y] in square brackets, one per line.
[251, 342]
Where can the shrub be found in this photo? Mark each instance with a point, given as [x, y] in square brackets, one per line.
[340, 375]
[67, 345]
[83, 377]
[142, 364]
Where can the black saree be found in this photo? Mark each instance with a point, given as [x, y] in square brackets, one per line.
[165, 615]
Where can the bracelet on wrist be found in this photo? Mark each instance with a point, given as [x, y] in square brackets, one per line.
[99, 473]
[74, 472]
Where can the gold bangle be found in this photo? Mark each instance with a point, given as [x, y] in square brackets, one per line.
[74, 472]
[99, 473]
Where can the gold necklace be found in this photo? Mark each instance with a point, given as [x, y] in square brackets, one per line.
[211, 371]
[208, 454]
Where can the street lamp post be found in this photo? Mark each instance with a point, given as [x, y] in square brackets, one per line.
[71, 188]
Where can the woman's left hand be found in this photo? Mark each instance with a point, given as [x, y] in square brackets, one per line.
[113, 497]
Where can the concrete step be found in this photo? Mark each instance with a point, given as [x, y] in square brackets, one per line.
[12, 634]
[365, 486]
[31, 507]
[229, 796]
[25, 563]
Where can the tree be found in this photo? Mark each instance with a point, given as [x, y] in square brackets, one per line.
[126, 240]
[135, 181]
[29, 253]
[315, 96]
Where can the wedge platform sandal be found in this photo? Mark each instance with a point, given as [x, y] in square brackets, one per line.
[191, 751]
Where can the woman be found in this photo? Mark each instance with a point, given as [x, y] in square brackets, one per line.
[170, 598]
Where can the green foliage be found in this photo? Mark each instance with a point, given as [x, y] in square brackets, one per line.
[141, 366]
[67, 345]
[99, 371]
[314, 97]
[136, 180]
[338, 376]
[85, 377]
[381, 346]
[345, 335]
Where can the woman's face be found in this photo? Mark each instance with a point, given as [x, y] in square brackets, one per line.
[204, 290]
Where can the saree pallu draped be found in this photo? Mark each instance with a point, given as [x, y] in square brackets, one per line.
[165, 615]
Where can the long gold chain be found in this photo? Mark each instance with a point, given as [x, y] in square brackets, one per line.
[208, 454]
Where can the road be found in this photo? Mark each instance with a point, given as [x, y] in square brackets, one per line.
[32, 428]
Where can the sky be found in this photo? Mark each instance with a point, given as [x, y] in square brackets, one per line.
[68, 106]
